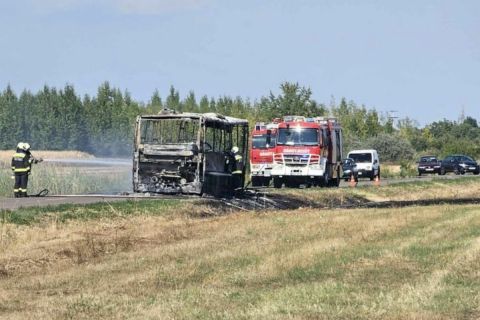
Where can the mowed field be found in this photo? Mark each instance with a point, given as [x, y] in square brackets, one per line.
[187, 259]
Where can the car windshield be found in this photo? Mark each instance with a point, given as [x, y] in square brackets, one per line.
[465, 158]
[428, 159]
[298, 137]
[260, 141]
[361, 157]
[461, 158]
[347, 162]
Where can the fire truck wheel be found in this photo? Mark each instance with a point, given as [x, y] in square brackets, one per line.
[292, 184]
[334, 182]
[324, 180]
[257, 181]
[277, 183]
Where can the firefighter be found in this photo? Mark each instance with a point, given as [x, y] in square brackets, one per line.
[237, 167]
[21, 167]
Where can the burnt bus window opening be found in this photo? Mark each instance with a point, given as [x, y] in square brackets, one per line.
[168, 131]
[218, 139]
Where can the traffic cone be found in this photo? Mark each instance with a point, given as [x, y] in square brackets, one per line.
[376, 182]
[352, 182]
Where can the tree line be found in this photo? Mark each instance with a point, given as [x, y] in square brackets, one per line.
[102, 124]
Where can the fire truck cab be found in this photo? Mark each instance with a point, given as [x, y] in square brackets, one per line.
[308, 152]
[262, 148]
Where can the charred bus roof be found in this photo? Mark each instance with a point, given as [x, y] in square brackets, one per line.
[207, 117]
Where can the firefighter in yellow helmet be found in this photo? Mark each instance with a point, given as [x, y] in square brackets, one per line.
[237, 167]
[21, 166]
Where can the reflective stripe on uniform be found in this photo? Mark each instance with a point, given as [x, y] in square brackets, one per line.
[16, 190]
[22, 190]
[19, 155]
[237, 172]
[238, 157]
[21, 169]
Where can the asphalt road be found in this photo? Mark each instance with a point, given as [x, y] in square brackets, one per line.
[15, 203]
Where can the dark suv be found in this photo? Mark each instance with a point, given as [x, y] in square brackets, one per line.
[349, 169]
[428, 164]
[459, 164]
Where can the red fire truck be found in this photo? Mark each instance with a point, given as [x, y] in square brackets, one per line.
[308, 152]
[261, 153]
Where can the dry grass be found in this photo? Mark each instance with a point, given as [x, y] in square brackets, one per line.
[465, 187]
[67, 177]
[412, 263]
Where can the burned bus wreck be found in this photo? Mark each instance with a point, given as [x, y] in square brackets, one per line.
[189, 153]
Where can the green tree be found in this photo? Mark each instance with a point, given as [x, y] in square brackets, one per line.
[190, 103]
[155, 105]
[173, 100]
[204, 105]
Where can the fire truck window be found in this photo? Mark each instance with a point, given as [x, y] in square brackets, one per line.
[260, 141]
[295, 136]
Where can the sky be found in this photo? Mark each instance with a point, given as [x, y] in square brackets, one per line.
[411, 58]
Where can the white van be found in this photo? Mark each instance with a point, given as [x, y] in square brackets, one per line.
[367, 161]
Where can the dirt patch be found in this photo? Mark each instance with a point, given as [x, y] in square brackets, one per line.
[258, 201]
[410, 203]
[251, 201]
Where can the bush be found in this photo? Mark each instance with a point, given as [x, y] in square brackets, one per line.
[407, 169]
[392, 148]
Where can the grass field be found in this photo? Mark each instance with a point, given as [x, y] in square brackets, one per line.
[66, 177]
[177, 259]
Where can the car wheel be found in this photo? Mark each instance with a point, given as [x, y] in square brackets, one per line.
[419, 173]
[476, 172]
[442, 172]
